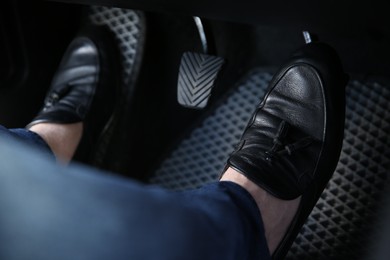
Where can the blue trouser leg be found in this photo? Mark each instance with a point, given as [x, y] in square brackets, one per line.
[53, 212]
[27, 137]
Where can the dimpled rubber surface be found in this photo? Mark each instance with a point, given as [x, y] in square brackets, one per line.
[341, 224]
[128, 27]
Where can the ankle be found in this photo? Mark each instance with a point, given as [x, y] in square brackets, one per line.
[276, 214]
[62, 139]
[236, 177]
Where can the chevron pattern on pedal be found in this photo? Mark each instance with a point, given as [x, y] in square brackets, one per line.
[197, 75]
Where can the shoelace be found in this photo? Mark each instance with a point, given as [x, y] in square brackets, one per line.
[279, 148]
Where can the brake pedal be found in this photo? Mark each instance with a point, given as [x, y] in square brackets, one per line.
[197, 74]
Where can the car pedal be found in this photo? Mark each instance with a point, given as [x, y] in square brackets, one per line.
[197, 76]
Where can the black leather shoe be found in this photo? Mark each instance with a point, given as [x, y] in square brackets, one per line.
[84, 87]
[292, 144]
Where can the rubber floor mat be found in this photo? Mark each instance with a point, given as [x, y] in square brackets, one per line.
[128, 26]
[343, 220]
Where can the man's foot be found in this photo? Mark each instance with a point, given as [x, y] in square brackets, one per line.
[63, 139]
[290, 148]
[81, 96]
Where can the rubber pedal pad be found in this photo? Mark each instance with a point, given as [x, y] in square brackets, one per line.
[197, 76]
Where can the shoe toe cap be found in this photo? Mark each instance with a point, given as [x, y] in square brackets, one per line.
[297, 97]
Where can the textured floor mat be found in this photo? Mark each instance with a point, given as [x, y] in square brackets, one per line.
[342, 221]
[128, 26]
